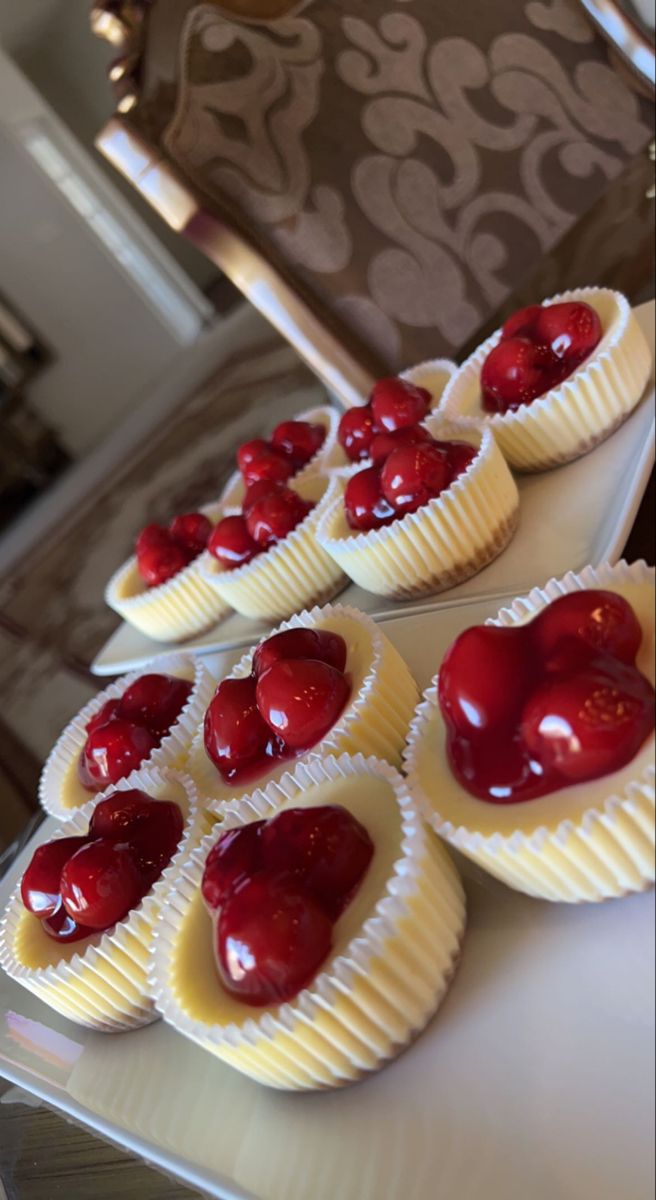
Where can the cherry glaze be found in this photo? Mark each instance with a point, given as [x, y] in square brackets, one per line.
[364, 503]
[533, 709]
[154, 701]
[271, 464]
[384, 443]
[356, 432]
[100, 883]
[299, 439]
[301, 700]
[160, 561]
[398, 404]
[113, 750]
[275, 515]
[319, 644]
[191, 530]
[40, 883]
[231, 543]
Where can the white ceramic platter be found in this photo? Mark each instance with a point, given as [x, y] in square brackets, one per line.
[581, 513]
[535, 1079]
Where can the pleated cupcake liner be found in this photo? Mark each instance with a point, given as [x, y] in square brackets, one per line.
[446, 541]
[182, 607]
[103, 982]
[59, 774]
[584, 410]
[330, 454]
[368, 1002]
[374, 722]
[608, 849]
[293, 574]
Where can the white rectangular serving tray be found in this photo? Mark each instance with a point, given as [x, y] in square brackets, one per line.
[534, 1081]
[578, 514]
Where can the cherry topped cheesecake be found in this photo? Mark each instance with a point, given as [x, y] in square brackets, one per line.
[160, 590]
[144, 719]
[433, 505]
[315, 935]
[78, 926]
[327, 681]
[556, 379]
[534, 752]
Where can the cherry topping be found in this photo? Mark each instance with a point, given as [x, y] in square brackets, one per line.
[484, 678]
[319, 644]
[356, 432]
[236, 855]
[192, 530]
[365, 505]
[384, 443]
[255, 492]
[62, 928]
[397, 404]
[275, 516]
[119, 813]
[152, 535]
[587, 724]
[460, 456]
[108, 712]
[601, 620]
[155, 701]
[571, 330]
[325, 849]
[516, 372]
[271, 939]
[414, 475]
[235, 733]
[112, 751]
[299, 439]
[101, 883]
[249, 452]
[269, 464]
[301, 699]
[522, 322]
[231, 543]
[40, 883]
[159, 562]
[153, 828]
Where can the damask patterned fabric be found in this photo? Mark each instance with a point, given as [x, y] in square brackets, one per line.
[406, 162]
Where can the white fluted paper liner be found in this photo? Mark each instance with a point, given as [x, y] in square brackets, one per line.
[330, 454]
[446, 541]
[102, 982]
[433, 375]
[394, 948]
[60, 791]
[571, 419]
[180, 608]
[583, 843]
[291, 575]
[375, 721]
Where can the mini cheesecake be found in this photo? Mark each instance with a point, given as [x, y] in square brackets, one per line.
[587, 841]
[328, 455]
[392, 951]
[381, 698]
[101, 981]
[182, 607]
[571, 417]
[293, 574]
[445, 541]
[61, 791]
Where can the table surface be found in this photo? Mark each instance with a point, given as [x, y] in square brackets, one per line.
[44, 1157]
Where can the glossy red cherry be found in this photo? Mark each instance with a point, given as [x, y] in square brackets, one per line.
[319, 644]
[235, 732]
[270, 464]
[112, 751]
[41, 881]
[325, 849]
[236, 855]
[119, 813]
[484, 678]
[516, 372]
[108, 712]
[155, 838]
[231, 543]
[299, 439]
[397, 404]
[155, 701]
[301, 699]
[384, 443]
[101, 883]
[249, 452]
[159, 563]
[152, 535]
[275, 516]
[356, 432]
[521, 323]
[589, 723]
[414, 475]
[571, 330]
[271, 939]
[62, 928]
[192, 530]
[460, 456]
[256, 491]
[602, 620]
[365, 506]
